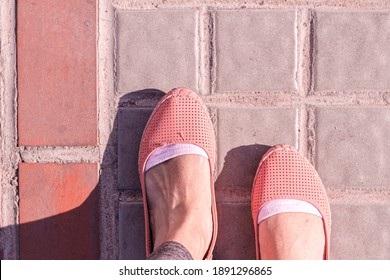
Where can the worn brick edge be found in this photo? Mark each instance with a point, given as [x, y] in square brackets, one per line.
[8, 133]
[107, 106]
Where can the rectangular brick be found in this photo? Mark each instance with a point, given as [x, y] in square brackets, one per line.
[352, 50]
[244, 135]
[236, 239]
[59, 211]
[57, 72]
[131, 231]
[255, 50]
[352, 147]
[131, 125]
[156, 49]
[360, 232]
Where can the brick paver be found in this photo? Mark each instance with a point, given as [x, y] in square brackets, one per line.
[353, 50]
[57, 73]
[131, 231]
[360, 231]
[236, 236]
[255, 50]
[131, 125]
[156, 49]
[59, 211]
[352, 147]
[244, 135]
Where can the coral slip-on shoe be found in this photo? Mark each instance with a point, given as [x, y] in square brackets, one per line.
[179, 118]
[283, 173]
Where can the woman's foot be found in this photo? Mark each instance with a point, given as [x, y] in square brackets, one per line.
[178, 194]
[179, 201]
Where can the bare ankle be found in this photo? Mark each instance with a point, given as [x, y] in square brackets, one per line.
[292, 236]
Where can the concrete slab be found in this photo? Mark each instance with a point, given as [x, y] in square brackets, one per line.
[360, 232]
[244, 135]
[131, 124]
[131, 231]
[236, 239]
[352, 147]
[352, 50]
[156, 49]
[255, 50]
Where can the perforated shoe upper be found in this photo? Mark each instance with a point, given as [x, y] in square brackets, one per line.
[283, 173]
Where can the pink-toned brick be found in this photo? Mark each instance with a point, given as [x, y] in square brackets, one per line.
[57, 72]
[59, 211]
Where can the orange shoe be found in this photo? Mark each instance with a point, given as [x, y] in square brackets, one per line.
[283, 173]
[179, 118]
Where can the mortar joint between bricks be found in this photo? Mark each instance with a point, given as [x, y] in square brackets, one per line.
[302, 140]
[311, 133]
[205, 51]
[115, 35]
[212, 52]
[311, 54]
[303, 60]
[251, 4]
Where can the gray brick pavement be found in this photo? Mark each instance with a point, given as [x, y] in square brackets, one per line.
[315, 78]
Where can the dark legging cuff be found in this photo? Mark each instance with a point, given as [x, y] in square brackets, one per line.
[170, 250]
